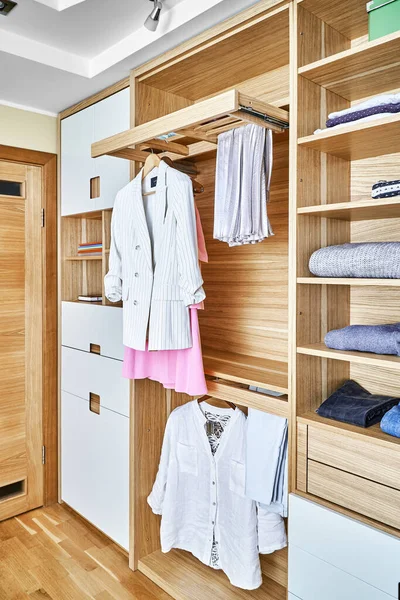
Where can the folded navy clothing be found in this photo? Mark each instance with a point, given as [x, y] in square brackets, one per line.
[380, 339]
[391, 422]
[353, 404]
[361, 114]
[363, 260]
[386, 189]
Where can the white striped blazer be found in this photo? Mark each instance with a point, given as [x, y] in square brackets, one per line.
[153, 263]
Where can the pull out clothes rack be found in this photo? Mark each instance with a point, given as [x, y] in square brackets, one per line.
[193, 131]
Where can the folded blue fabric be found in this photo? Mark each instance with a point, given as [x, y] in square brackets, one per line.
[391, 421]
[368, 259]
[380, 339]
[353, 404]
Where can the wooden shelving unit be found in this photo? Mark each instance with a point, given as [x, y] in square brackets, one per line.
[183, 576]
[362, 71]
[356, 141]
[349, 281]
[363, 210]
[363, 358]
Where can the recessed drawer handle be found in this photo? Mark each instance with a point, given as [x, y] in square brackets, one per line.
[94, 403]
[95, 187]
[95, 349]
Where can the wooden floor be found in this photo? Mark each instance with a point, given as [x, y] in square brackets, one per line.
[50, 554]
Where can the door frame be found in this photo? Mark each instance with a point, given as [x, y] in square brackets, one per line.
[48, 162]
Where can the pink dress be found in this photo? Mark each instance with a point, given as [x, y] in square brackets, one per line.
[179, 370]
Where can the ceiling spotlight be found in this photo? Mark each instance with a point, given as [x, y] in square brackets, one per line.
[153, 19]
[6, 6]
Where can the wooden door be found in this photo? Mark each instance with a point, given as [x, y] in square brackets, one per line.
[21, 469]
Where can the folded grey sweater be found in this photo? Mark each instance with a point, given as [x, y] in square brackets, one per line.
[364, 260]
[380, 339]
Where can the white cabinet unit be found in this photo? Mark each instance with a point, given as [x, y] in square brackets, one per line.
[78, 132]
[83, 373]
[95, 466]
[86, 324]
[111, 116]
[349, 547]
[76, 162]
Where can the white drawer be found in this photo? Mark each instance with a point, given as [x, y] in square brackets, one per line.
[83, 373]
[85, 324]
[95, 466]
[366, 553]
[313, 579]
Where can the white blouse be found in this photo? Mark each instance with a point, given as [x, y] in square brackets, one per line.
[201, 496]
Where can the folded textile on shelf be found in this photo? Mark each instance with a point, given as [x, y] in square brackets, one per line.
[382, 99]
[243, 176]
[386, 189]
[353, 404]
[266, 460]
[381, 109]
[391, 422]
[363, 260]
[380, 339]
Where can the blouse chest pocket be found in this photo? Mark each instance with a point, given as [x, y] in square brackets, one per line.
[237, 478]
[187, 459]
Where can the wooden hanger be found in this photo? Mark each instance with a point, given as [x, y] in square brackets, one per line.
[216, 402]
[151, 162]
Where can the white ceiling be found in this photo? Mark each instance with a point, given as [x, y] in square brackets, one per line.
[56, 52]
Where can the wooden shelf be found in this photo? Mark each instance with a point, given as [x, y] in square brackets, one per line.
[364, 358]
[358, 140]
[83, 258]
[366, 70]
[349, 18]
[363, 210]
[203, 120]
[374, 433]
[349, 281]
[268, 374]
[182, 576]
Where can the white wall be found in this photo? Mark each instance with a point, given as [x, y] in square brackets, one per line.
[27, 129]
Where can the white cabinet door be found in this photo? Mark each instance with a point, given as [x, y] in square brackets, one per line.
[95, 466]
[83, 373]
[85, 324]
[76, 162]
[366, 553]
[111, 116]
[313, 579]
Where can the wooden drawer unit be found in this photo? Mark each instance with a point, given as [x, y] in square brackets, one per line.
[83, 374]
[95, 466]
[85, 326]
[351, 467]
[361, 551]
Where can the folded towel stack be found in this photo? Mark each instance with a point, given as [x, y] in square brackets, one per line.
[386, 189]
[371, 109]
[93, 249]
[380, 339]
[391, 421]
[353, 404]
[364, 260]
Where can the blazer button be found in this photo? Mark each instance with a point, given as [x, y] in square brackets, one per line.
[136, 274]
[137, 248]
[135, 302]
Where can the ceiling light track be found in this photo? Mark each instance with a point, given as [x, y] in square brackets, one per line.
[6, 7]
[153, 19]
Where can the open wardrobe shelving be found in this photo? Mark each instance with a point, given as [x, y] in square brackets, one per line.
[278, 63]
[336, 169]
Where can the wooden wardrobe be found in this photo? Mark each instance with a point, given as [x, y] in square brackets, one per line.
[296, 61]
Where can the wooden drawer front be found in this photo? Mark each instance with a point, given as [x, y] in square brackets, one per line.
[366, 497]
[313, 579]
[380, 463]
[95, 466]
[83, 325]
[366, 553]
[83, 373]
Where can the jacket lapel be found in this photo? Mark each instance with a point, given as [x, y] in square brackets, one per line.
[141, 224]
[161, 200]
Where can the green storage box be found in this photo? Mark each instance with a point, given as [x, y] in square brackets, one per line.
[383, 18]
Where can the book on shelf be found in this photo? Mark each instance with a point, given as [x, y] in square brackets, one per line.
[90, 298]
[90, 249]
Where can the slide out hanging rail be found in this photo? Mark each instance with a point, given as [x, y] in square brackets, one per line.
[193, 130]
